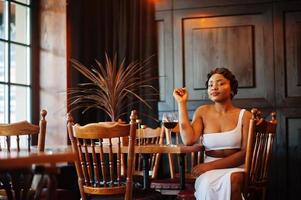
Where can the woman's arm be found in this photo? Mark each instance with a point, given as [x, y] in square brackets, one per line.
[190, 133]
[234, 159]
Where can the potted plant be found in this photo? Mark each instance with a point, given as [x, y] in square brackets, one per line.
[110, 86]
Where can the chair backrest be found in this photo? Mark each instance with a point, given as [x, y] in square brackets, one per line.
[14, 131]
[259, 149]
[191, 159]
[146, 135]
[99, 157]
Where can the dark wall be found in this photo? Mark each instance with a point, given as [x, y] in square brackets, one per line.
[260, 41]
[124, 29]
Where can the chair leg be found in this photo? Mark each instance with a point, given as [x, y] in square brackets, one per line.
[51, 186]
[40, 186]
[81, 190]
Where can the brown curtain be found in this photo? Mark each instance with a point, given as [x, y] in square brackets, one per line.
[125, 28]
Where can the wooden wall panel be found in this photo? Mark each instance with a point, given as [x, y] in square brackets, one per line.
[293, 53]
[287, 43]
[165, 55]
[209, 45]
[237, 38]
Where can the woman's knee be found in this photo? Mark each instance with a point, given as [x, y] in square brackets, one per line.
[237, 180]
[202, 183]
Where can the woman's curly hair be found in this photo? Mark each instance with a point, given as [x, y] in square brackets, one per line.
[228, 75]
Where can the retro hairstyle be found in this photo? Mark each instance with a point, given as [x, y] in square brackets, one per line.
[228, 75]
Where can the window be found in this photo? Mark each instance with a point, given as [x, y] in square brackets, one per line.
[15, 61]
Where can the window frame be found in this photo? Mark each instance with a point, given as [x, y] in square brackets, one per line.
[32, 106]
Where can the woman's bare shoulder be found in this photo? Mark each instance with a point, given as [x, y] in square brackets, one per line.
[247, 115]
[203, 109]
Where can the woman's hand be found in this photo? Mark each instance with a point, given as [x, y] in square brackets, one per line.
[200, 169]
[180, 94]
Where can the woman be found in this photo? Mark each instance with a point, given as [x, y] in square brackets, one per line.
[223, 130]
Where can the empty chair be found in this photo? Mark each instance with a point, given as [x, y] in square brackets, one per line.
[99, 147]
[145, 136]
[11, 135]
[171, 185]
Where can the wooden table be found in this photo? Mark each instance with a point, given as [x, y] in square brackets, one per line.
[15, 160]
[180, 149]
[17, 163]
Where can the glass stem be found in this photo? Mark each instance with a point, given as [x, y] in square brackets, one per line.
[168, 136]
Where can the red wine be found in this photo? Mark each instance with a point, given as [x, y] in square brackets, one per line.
[170, 125]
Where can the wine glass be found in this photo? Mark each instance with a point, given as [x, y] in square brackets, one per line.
[169, 121]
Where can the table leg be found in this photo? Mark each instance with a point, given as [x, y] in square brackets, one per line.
[182, 171]
[6, 181]
[145, 168]
[21, 182]
[51, 186]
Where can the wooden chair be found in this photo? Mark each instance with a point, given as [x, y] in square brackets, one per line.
[24, 128]
[171, 186]
[259, 148]
[258, 155]
[145, 136]
[99, 165]
[11, 134]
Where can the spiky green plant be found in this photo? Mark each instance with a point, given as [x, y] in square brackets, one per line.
[110, 86]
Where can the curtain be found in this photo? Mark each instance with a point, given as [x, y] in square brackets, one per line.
[125, 28]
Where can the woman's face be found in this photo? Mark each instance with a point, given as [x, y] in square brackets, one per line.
[219, 88]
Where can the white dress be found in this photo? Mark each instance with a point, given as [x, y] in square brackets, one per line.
[216, 184]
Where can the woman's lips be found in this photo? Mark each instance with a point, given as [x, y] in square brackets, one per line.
[214, 93]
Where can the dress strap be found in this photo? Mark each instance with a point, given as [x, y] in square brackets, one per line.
[241, 114]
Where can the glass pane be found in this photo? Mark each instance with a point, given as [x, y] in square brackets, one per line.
[24, 1]
[3, 103]
[19, 65]
[19, 103]
[19, 23]
[3, 17]
[23, 142]
[3, 62]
